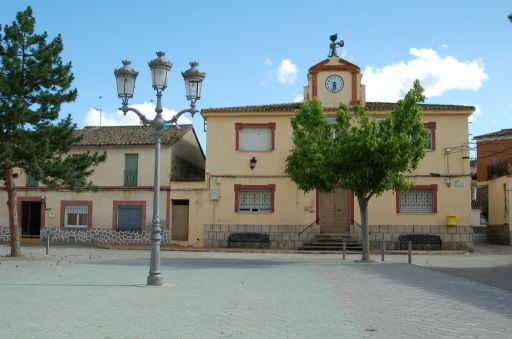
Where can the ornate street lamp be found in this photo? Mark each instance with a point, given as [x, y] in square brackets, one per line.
[125, 78]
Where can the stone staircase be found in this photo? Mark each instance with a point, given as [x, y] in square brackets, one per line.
[332, 242]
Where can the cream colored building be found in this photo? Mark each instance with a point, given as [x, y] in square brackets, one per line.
[259, 197]
[121, 210]
[245, 188]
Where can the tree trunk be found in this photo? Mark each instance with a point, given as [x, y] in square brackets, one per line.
[13, 217]
[363, 208]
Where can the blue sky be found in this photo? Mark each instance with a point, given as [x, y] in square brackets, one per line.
[258, 52]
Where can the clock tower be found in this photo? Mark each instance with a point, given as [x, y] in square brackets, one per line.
[335, 80]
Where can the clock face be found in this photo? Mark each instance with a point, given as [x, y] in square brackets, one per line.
[334, 83]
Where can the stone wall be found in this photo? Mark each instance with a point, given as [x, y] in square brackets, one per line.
[453, 237]
[498, 234]
[92, 236]
[281, 236]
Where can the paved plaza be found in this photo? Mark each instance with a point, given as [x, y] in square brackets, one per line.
[87, 292]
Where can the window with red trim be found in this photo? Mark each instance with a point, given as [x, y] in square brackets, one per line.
[76, 213]
[255, 136]
[420, 199]
[431, 127]
[129, 215]
[254, 198]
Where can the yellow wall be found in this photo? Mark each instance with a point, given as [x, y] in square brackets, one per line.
[448, 162]
[111, 172]
[102, 208]
[498, 214]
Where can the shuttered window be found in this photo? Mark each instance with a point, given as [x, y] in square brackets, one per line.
[255, 139]
[255, 136]
[131, 169]
[76, 216]
[129, 217]
[31, 181]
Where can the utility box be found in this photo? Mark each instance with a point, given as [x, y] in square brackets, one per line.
[452, 220]
[214, 194]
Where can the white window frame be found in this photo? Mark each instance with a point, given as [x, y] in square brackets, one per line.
[77, 210]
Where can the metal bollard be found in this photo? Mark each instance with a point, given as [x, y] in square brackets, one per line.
[344, 248]
[382, 248]
[47, 244]
[409, 245]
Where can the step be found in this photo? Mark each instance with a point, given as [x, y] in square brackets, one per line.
[323, 248]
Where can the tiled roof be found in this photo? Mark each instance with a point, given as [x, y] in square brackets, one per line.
[371, 106]
[128, 135]
[502, 133]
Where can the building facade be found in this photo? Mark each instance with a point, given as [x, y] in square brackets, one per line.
[250, 191]
[242, 186]
[494, 170]
[120, 211]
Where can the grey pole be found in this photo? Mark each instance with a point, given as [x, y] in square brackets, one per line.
[48, 244]
[154, 277]
[382, 247]
[344, 248]
[409, 252]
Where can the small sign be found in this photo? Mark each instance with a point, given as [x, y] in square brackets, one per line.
[459, 183]
[214, 194]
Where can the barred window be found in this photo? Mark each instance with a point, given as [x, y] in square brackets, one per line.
[129, 217]
[417, 200]
[76, 216]
[254, 198]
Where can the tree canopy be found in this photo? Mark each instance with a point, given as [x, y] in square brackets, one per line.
[358, 152]
[34, 83]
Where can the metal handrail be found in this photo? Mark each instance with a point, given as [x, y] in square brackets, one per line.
[308, 226]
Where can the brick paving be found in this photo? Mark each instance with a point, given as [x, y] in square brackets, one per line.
[94, 293]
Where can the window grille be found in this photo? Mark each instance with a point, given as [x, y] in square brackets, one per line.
[129, 217]
[255, 200]
[417, 200]
[76, 216]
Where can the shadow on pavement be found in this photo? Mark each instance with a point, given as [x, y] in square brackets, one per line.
[498, 276]
[448, 286]
[204, 263]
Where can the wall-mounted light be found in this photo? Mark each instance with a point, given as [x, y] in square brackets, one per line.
[253, 162]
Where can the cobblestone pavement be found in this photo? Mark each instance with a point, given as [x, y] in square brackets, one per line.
[96, 293]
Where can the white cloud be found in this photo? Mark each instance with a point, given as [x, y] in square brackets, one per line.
[287, 72]
[436, 74]
[298, 98]
[492, 121]
[444, 46]
[268, 61]
[117, 118]
[476, 114]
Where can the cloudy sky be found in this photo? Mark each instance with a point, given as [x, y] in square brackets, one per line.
[258, 52]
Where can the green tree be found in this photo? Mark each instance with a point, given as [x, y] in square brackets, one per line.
[34, 82]
[364, 156]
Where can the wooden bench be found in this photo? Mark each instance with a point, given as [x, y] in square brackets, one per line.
[249, 237]
[420, 239]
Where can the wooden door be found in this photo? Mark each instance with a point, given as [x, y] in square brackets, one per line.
[335, 212]
[180, 220]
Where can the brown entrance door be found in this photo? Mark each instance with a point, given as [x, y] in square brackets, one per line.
[335, 212]
[30, 218]
[180, 220]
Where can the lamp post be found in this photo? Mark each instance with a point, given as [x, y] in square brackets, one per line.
[125, 79]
